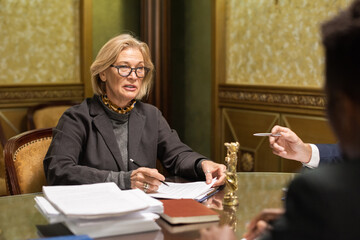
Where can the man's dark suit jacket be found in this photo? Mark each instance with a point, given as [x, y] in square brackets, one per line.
[322, 204]
[84, 149]
[329, 153]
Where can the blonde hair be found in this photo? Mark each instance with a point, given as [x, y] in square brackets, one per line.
[108, 55]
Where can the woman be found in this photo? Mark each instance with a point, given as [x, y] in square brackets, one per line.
[109, 136]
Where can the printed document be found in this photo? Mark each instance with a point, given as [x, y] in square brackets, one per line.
[193, 190]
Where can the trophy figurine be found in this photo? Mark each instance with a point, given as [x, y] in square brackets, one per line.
[230, 198]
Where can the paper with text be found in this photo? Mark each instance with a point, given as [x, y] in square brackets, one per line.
[191, 190]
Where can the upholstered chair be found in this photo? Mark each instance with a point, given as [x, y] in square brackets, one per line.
[24, 155]
[46, 115]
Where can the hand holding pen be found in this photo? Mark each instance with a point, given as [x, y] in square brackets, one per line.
[146, 179]
[289, 145]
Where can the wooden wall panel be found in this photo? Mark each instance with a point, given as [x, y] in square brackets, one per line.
[255, 153]
[244, 110]
[310, 128]
[13, 121]
[239, 125]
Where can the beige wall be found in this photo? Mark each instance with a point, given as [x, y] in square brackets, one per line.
[276, 42]
[40, 41]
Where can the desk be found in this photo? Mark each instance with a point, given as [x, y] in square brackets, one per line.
[18, 216]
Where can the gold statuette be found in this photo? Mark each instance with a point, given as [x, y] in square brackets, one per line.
[230, 198]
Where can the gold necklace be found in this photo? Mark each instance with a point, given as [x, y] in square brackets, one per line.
[115, 108]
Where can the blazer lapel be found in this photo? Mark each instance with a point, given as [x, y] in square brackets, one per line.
[104, 126]
[136, 126]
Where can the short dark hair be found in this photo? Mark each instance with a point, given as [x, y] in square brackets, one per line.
[341, 40]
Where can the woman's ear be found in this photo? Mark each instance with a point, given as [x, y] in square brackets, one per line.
[102, 76]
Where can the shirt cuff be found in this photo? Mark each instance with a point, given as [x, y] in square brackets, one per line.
[315, 157]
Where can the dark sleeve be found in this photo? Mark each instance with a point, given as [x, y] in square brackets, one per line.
[178, 158]
[304, 206]
[329, 153]
[64, 163]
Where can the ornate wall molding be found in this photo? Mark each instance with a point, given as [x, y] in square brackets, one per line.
[22, 95]
[288, 97]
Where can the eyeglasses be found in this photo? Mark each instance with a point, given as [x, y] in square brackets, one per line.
[125, 71]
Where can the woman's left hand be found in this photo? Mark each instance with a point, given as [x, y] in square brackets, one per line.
[212, 170]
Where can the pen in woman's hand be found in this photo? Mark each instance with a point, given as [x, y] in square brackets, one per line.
[132, 160]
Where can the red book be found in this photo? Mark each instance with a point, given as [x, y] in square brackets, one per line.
[178, 211]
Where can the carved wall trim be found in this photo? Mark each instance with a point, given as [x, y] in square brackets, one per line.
[28, 95]
[281, 97]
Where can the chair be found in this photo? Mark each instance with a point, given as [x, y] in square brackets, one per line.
[47, 114]
[24, 155]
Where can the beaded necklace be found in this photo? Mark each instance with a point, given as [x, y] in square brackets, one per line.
[115, 108]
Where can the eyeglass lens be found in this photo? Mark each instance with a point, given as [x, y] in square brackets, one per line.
[126, 71]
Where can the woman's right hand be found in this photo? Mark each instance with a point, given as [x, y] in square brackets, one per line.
[146, 179]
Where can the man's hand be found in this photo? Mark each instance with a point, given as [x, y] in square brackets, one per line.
[289, 145]
[217, 233]
[260, 223]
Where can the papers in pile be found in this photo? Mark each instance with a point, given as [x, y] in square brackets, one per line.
[100, 209]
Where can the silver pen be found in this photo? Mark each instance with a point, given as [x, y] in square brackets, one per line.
[267, 134]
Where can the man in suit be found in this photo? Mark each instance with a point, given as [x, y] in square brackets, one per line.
[324, 203]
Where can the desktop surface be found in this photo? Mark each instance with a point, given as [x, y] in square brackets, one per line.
[256, 191]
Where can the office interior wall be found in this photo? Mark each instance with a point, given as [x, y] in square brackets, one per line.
[191, 72]
[276, 42]
[114, 17]
[109, 18]
[268, 61]
[40, 52]
[40, 41]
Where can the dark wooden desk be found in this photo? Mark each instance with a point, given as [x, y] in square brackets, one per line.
[18, 216]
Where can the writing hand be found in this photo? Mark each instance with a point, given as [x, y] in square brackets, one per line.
[146, 179]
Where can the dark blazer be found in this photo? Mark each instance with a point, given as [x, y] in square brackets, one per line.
[322, 204]
[329, 153]
[84, 149]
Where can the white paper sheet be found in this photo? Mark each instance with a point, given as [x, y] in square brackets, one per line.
[191, 190]
[93, 200]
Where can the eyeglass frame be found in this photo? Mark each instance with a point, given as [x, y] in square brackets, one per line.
[131, 70]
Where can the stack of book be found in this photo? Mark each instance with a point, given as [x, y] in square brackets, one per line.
[99, 210]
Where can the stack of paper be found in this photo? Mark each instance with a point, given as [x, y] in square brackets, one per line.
[99, 210]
